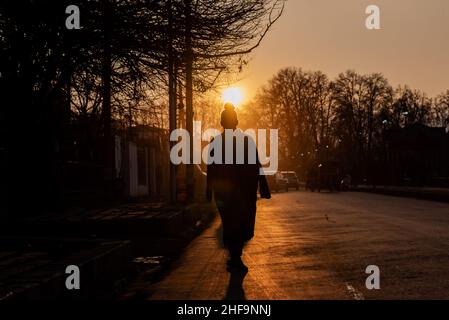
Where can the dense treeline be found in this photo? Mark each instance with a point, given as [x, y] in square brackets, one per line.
[345, 119]
[65, 93]
[126, 44]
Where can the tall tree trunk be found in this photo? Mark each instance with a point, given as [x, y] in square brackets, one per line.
[190, 178]
[171, 97]
[108, 153]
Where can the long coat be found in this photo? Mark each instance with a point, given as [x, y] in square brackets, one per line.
[235, 189]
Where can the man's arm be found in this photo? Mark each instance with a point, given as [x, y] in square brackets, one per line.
[210, 171]
[264, 189]
[209, 182]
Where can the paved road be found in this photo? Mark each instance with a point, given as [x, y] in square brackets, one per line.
[317, 246]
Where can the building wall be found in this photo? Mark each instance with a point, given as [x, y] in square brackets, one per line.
[138, 170]
[149, 175]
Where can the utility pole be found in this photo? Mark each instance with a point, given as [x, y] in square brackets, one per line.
[190, 178]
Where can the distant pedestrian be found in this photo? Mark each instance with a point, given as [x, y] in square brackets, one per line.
[235, 189]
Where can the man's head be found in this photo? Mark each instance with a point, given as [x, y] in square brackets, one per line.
[229, 117]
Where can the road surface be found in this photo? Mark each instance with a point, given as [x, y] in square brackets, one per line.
[317, 246]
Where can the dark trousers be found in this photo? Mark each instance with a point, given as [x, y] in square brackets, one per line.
[235, 248]
[233, 232]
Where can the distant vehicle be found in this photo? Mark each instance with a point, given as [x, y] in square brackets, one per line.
[324, 176]
[277, 182]
[345, 183]
[312, 179]
[292, 179]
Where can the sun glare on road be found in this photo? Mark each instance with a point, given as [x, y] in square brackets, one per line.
[233, 95]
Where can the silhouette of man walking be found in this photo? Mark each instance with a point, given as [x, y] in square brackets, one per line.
[235, 189]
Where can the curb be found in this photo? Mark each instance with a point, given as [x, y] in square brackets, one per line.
[418, 194]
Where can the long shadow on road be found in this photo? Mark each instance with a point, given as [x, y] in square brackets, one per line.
[235, 289]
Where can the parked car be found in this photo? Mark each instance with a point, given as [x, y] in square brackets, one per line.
[292, 179]
[277, 182]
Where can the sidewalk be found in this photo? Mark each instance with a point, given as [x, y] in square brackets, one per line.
[34, 268]
[426, 193]
[111, 245]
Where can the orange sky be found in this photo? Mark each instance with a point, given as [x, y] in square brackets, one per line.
[330, 35]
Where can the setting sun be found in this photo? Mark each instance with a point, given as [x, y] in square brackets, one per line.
[233, 95]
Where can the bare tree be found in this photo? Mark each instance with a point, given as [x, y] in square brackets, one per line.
[440, 110]
[410, 107]
[300, 105]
